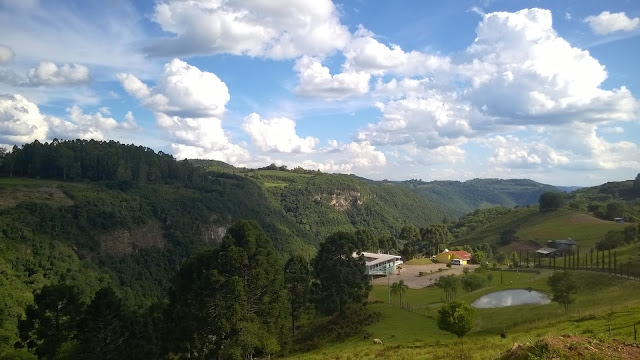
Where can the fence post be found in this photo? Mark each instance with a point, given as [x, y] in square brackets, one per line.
[615, 263]
[578, 258]
[610, 332]
[635, 334]
[609, 261]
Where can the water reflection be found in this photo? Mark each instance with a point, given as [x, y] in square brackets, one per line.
[510, 298]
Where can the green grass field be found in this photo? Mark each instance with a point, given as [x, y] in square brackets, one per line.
[585, 229]
[603, 301]
[422, 261]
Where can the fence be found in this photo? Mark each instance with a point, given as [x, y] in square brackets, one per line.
[603, 261]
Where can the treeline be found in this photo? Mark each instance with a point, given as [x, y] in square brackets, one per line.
[94, 161]
[235, 301]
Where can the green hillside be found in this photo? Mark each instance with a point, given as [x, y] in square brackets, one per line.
[459, 198]
[531, 225]
[92, 214]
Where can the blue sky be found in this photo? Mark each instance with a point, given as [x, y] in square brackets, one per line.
[546, 90]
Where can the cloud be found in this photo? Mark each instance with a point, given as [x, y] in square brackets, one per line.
[347, 158]
[523, 72]
[592, 152]
[607, 22]
[21, 122]
[188, 104]
[512, 152]
[276, 30]
[430, 121]
[6, 55]
[67, 33]
[277, 135]
[315, 80]
[49, 74]
[182, 90]
[366, 54]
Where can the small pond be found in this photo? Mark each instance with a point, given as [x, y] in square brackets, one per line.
[510, 298]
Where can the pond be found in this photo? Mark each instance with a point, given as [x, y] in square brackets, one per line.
[510, 298]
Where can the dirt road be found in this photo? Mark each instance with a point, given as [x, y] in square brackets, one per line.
[409, 274]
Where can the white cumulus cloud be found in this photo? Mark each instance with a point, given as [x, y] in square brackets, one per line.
[347, 158]
[272, 29]
[430, 121]
[188, 104]
[365, 53]
[513, 152]
[21, 122]
[277, 135]
[48, 73]
[607, 22]
[523, 72]
[315, 80]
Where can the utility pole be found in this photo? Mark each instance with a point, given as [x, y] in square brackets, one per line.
[388, 285]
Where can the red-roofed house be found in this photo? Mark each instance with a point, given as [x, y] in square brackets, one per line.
[446, 256]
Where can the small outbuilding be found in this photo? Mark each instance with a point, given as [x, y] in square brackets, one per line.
[447, 256]
[547, 252]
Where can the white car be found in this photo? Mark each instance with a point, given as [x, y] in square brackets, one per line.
[456, 262]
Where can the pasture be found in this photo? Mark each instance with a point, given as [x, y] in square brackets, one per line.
[603, 301]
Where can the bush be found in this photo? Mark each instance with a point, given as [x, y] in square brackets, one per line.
[611, 240]
[472, 282]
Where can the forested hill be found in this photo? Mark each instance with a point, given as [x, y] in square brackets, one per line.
[459, 198]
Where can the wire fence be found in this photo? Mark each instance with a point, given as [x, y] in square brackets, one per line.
[603, 261]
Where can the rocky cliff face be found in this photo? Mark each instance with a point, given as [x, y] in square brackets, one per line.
[342, 200]
[213, 231]
[122, 242]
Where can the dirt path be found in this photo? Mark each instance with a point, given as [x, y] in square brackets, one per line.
[409, 274]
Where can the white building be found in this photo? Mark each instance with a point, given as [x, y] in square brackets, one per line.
[380, 264]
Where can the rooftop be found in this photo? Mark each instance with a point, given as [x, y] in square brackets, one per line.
[375, 258]
[459, 253]
[546, 250]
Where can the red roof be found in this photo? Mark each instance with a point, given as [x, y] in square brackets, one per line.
[461, 254]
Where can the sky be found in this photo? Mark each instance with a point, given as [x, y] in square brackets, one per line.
[430, 90]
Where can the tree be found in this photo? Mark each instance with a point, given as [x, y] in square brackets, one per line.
[297, 281]
[52, 320]
[457, 318]
[472, 282]
[551, 201]
[341, 279]
[630, 233]
[450, 284]
[563, 287]
[399, 288]
[615, 209]
[508, 236]
[367, 240]
[409, 233]
[435, 237]
[408, 251]
[104, 327]
[220, 293]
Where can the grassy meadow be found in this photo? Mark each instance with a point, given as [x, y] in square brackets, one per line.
[603, 301]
